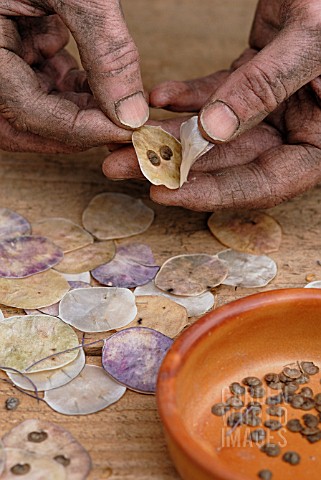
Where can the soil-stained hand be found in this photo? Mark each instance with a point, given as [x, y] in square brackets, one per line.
[46, 103]
[271, 161]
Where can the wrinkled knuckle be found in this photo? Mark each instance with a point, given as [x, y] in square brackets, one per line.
[116, 57]
[268, 90]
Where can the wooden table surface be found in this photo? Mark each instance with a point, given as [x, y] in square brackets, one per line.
[177, 39]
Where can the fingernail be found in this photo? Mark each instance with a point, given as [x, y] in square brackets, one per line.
[219, 121]
[132, 111]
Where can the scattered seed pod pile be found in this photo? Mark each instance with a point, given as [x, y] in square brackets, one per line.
[38, 450]
[276, 395]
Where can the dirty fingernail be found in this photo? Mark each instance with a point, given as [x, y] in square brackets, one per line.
[219, 121]
[132, 111]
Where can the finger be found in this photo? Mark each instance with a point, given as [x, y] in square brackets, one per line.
[110, 58]
[28, 108]
[261, 85]
[277, 175]
[13, 141]
[122, 164]
[187, 96]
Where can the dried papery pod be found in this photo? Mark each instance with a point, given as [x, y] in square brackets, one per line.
[77, 277]
[159, 156]
[195, 306]
[48, 440]
[191, 275]
[87, 258]
[115, 215]
[161, 314]
[53, 310]
[30, 466]
[27, 255]
[67, 235]
[33, 292]
[251, 232]
[12, 224]
[91, 391]
[49, 379]
[28, 339]
[133, 357]
[98, 309]
[133, 265]
[246, 270]
[315, 284]
[193, 146]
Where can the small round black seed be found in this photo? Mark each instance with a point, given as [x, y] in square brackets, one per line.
[62, 460]
[20, 469]
[153, 158]
[310, 420]
[292, 373]
[294, 425]
[275, 411]
[265, 475]
[219, 409]
[258, 435]
[310, 368]
[257, 391]
[12, 403]
[166, 152]
[235, 402]
[252, 381]
[274, 400]
[237, 389]
[271, 378]
[271, 449]
[292, 458]
[273, 425]
[37, 437]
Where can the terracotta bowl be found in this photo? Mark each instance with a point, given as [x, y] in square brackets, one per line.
[250, 337]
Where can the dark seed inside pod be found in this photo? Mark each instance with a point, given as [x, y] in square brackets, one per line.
[219, 409]
[258, 435]
[309, 367]
[292, 458]
[252, 381]
[271, 449]
[12, 403]
[273, 425]
[292, 373]
[265, 475]
[62, 460]
[275, 411]
[37, 437]
[235, 402]
[257, 391]
[20, 469]
[271, 378]
[153, 158]
[274, 400]
[310, 420]
[237, 389]
[294, 425]
[166, 152]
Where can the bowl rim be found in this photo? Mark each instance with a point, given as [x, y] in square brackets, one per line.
[174, 359]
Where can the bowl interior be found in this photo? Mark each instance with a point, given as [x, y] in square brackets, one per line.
[259, 334]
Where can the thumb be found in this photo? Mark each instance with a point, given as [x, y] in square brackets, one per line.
[110, 58]
[259, 86]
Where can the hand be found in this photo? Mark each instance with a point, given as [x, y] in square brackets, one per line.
[275, 160]
[46, 103]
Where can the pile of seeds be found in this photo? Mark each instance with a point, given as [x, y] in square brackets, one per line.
[275, 394]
